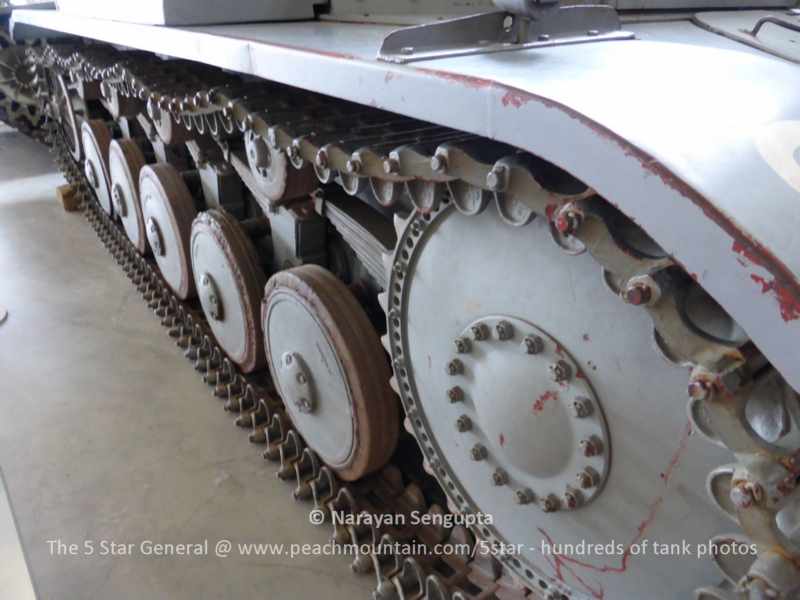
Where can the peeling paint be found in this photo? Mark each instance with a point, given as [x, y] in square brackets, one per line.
[542, 400]
[789, 306]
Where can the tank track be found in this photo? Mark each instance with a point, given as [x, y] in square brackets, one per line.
[395, 154]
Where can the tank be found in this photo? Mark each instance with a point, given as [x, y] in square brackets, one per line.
[509, 292]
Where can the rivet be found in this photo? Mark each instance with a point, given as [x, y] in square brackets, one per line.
[479, 332]
[591, 447]
[497, 179]
[479, 452]
[582, 408]
[455, 367]
[463, 424]
[499, 477]
[455, 394]
[463, 345]
[560, 371]
[524, 496]
[550, 504]
[439, 163]
[533, 344]
[505, 330]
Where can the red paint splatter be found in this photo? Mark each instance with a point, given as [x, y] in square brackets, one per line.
[559, 562]
[676, 457]
[580, 374]
[559, 349]
[515, 98]
[538, 406]
[746, 253]
[790, 308]
[502, 440]
[550, 211]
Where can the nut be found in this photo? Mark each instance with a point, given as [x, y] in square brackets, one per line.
[572, 499]
[533, 344]
[582, 408]
[479, 332]
[568, 220]
[497, 179]
[499, 477]
[463, 345]
[455, 367]
[505, 330]
[524, 496]
[439, 163]
[560, 371]
[591, 447]
[463, 424]
[455, 394]
[699, 389]
[587, 479]
[551, 504]
[479, 452]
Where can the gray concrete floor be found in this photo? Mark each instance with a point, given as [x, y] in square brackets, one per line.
[107, 434]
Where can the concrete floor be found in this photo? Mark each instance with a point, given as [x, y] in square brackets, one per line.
[107, 434]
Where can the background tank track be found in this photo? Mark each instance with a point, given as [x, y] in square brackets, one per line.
[579, 221]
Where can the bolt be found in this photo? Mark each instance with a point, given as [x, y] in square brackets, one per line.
[497, 179]
[439, 163]
[205, 280]
[287, 360]
[560, 371]
[499, 477]
[479, 452]
[399, 268]
[587, 479]
[582, 407]
[524, 496]
[572, 499]
[302, 379]
[391, 166]
[455, 367]
[455, 394]
[591, 447]
[533, 344]
[699, 389]
[551, 504]
[505, 330]
[639, 294]
[568, 220]
[463, 345]
[463, 424]
[479, 332]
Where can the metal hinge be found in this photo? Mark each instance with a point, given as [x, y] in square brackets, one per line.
[550, 25]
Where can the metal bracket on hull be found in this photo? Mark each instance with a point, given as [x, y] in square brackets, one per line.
[503, 32]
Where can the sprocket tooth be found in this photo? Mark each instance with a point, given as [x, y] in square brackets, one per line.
[383, 300]
[399, 224]
[394, 385]
[409, 427]
[386, 343]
